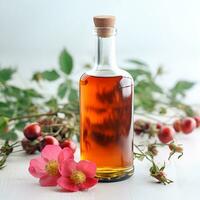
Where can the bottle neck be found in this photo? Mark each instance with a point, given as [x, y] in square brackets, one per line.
[105, 57]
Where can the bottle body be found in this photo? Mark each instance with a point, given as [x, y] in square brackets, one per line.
[106, 109]
[106, 124]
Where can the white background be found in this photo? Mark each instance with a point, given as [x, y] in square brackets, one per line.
[33, 32]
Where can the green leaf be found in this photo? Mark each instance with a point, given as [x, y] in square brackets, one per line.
[13, 91]
[138, 62]
[181, 87]
[155, 87]
[32, 93]
[66, 62]
[52, 103]
[6, 109]
[21, 95]
[6, 74]
[20, 124]
[11, 135]
[189, 111]
[50, 75]
[144, 97]
[136, 73]
[73, 95]
[62, 90]
[3, 105]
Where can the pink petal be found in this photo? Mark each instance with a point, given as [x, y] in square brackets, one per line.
[90, 182]
[65, 154]
[87, 167]
[48, 180]
[67, 184]
[51, 152]
[37, 167]
[67, 167]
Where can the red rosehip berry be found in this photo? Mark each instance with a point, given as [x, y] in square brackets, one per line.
[47, 140]
[138, 131]
[141, 126]
[188, 125]
[68, 143]
[50, 140]
[32, 131]
[197, 119]
[146, 126]
[166, 134]
[177, 125]
[137, 127]
[159, 126]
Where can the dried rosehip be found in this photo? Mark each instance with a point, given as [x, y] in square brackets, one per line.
[197, 119]
[32, 131]
[175, 148]
[141, 126]
[45, 121]
[159, 174]
[29, 146]
[177, 125]
[152, 149]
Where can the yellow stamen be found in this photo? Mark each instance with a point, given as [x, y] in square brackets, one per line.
[52, 168]
[78, 177]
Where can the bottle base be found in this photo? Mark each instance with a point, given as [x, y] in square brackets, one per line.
[106, 175]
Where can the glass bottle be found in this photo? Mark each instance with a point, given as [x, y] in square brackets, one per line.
[106, 109]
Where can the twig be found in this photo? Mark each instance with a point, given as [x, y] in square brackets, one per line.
[33, 116]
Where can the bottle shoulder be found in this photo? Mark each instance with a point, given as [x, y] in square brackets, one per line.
[107, 73]
[123, 79]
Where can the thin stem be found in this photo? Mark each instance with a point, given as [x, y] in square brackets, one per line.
[17, 145]
[14, 144]
[151, 117]
[18, 151]
[143, 154]
[33, 116]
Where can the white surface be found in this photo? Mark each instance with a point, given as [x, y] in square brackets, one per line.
[17, 184]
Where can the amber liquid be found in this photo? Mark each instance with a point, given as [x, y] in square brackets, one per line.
[106, 107]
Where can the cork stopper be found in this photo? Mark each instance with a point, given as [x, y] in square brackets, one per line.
[105, 25]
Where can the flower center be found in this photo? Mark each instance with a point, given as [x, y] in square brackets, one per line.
[52, 167]
[78, 177]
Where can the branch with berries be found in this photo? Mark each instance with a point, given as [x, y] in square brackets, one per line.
[150, 151]
[165, 132]
[46, 119]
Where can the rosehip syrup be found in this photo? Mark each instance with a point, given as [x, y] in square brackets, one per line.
[106, 125]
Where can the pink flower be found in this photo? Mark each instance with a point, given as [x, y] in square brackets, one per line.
[77, 176]
[46, 167]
